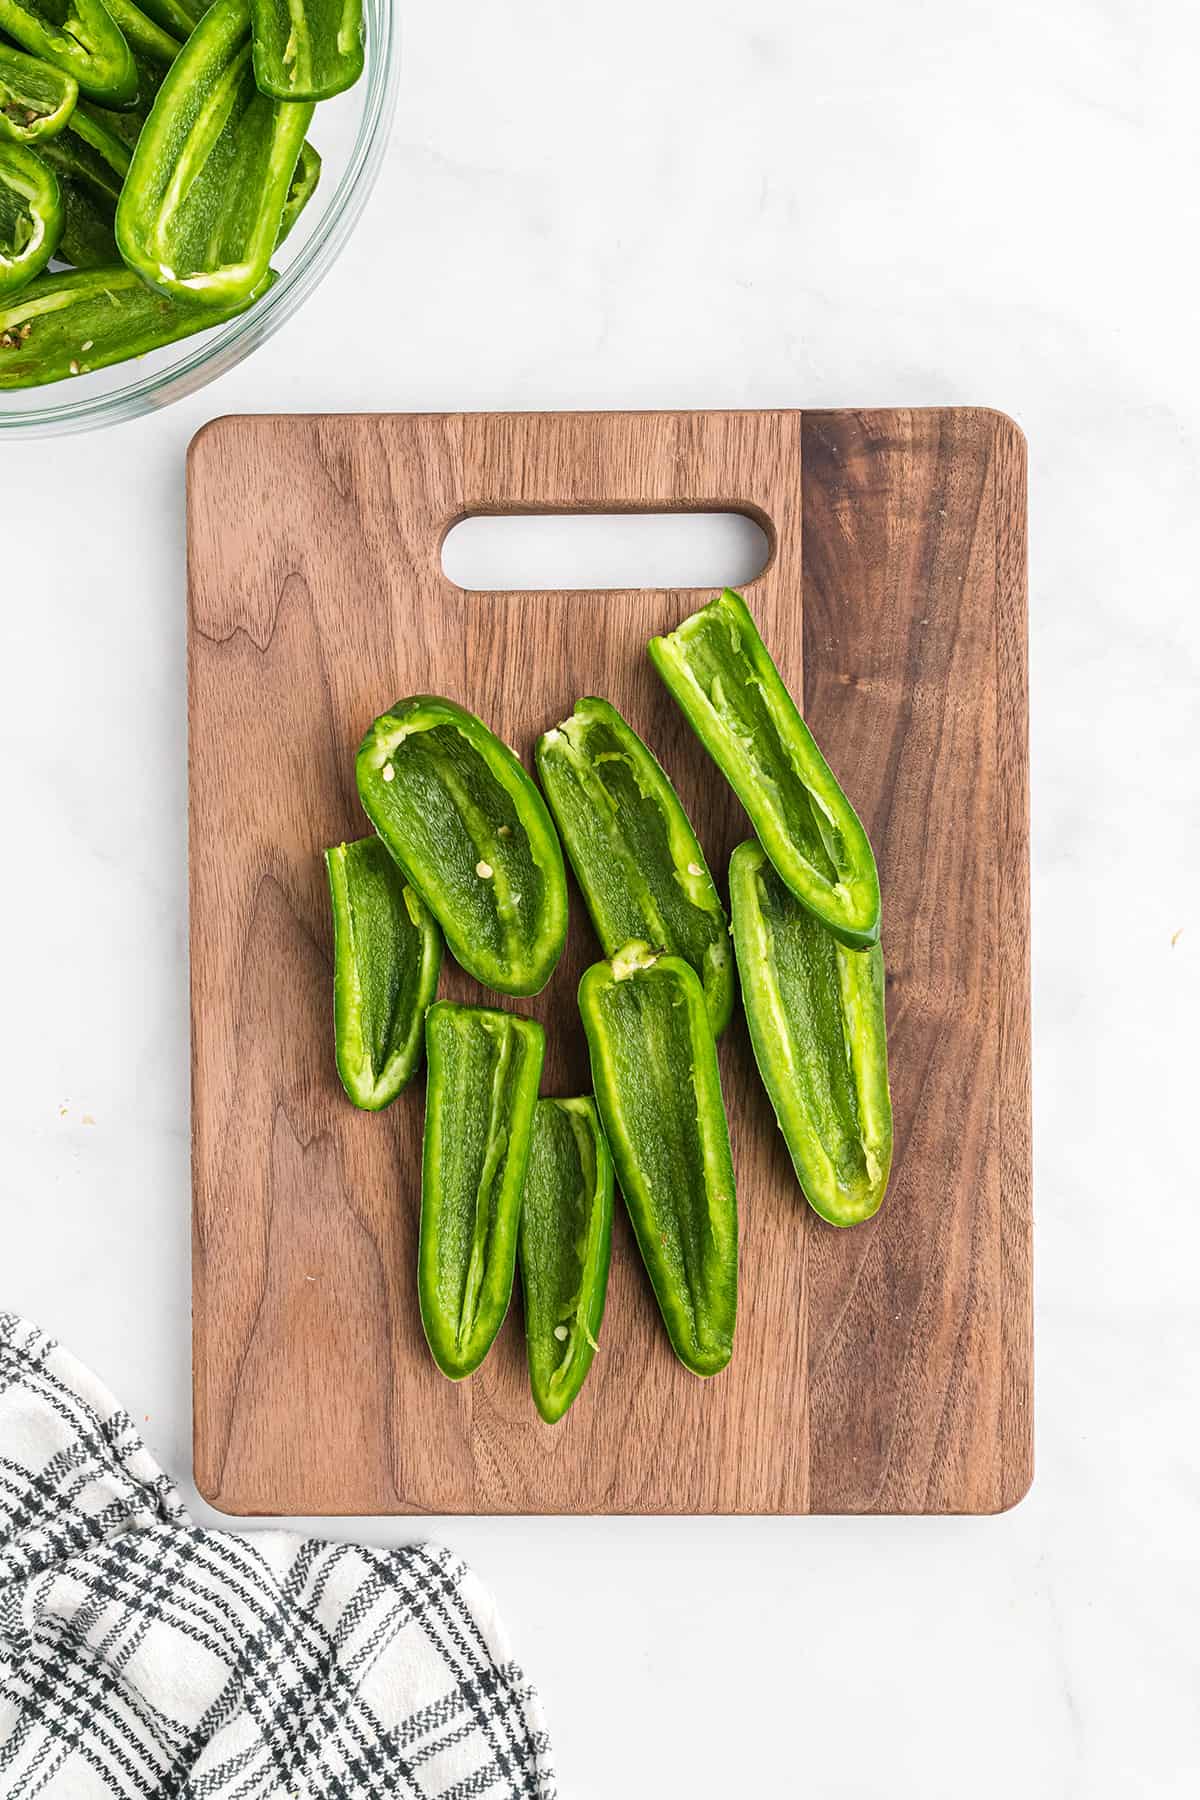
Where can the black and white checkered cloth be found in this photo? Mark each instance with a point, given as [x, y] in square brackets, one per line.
[140, 1655]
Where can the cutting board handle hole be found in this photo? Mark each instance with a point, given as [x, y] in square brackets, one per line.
[525, 552]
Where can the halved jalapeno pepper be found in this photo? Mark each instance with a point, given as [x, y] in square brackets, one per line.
[68, 324]
[654, 1066]
[307, 49]
[201, 210]
[81, 38]
[635, 856]
[564, 1248]
[816, 1016]
[387, 952]
[91, 162]
[471, 832]
[718, 669]
[303, 186]
[31, 217]
[36, 99]
[481, 1090]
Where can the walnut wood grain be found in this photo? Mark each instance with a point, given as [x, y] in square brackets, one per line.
[883, 1369]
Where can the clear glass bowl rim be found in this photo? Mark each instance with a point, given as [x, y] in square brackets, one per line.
[203, 360]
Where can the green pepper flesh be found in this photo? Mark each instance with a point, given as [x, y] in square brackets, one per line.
[307, 49]
[175, 16]
[635, 856]
[81, 38]
[471, 832]
[36, 99]
[654, 1067]
[564, 1246]
[126, 125]
[387, 955]
[305, 177]
[144, 35]
[483, 1072]
[88, 318]
[718, 669]
[31, 217]
[816, 1015]
[201, 210]
[91, 161]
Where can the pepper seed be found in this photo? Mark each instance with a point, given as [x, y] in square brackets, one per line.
[484, 871]
[561, 1333]
[389, 774]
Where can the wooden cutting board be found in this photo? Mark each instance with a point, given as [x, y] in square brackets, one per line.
[882, 1369]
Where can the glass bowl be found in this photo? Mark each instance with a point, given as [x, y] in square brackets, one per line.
[351, 134]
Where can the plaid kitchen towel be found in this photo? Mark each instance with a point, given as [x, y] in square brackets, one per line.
[140, 1655]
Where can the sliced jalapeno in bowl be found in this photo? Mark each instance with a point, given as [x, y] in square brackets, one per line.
[176, 16]
[65, 324]
[91, 162]
[305, 177]
[82, 39]
[200, 212]
[307, 49]
[31, 217]
[36, 99]
[144, 35]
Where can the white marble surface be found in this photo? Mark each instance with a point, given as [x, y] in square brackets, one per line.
[665, 204]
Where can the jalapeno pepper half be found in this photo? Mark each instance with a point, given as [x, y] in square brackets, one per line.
[654, 1065]
[307, 49]
[200, 212]
[144, 35]
[68, 324]
[718, 669]
[174, 16]
[564, 1246]
[31, 217]
[387, 953]
[127, 124]
[481, 1090]
[80, 38]
[632, 847]
[816, 1017]
[471, 832]
[91, 162]
[177, 16]
[36, 100]
[303, 186]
